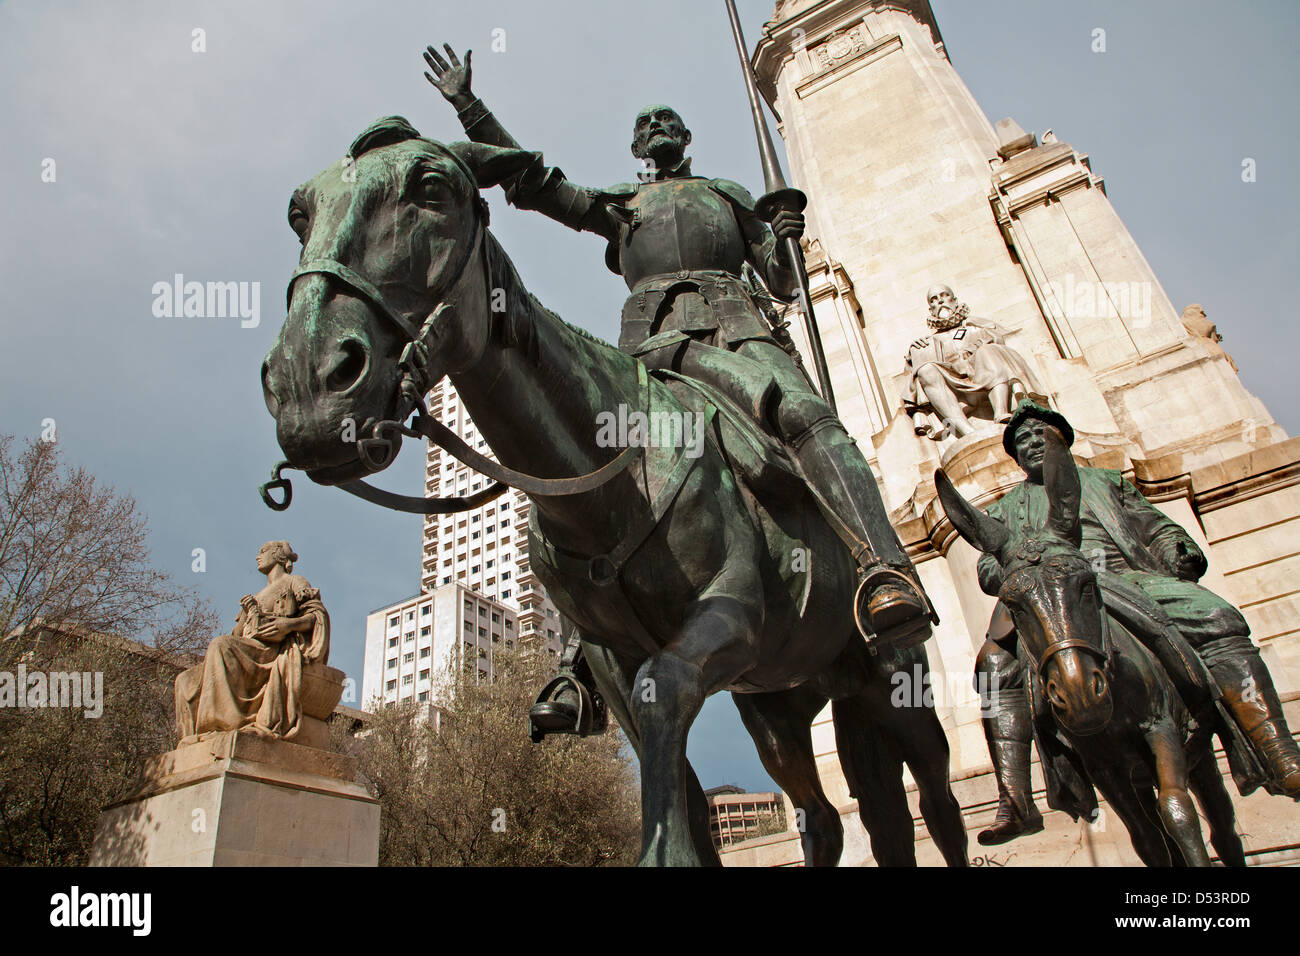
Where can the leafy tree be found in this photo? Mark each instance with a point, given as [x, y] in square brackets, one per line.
[464, 785]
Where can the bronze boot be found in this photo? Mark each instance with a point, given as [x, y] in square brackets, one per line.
[1250, 696]
[1009, 735]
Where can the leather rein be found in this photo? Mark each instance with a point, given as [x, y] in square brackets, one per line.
[378, 450]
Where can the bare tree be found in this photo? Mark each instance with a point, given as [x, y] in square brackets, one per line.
[464, 786]
[78, 596]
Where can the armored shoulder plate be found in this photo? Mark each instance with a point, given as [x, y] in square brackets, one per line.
[734, 193]
[619, 191]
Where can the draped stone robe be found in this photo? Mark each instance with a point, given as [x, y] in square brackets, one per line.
[972, 358]
[246, 682]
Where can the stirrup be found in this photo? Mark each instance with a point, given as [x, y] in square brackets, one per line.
[909, 634]
[549, 715]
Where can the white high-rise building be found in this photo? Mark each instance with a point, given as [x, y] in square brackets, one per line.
[413, 644]
[485, 549]
[477, 594]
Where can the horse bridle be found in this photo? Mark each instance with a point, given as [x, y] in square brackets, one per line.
[377, 450]
[1106, 652]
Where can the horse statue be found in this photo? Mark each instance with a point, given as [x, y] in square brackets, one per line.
[1142, 736]
[681, 581]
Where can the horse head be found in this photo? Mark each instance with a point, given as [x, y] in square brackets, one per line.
[1051, 591]
[389, 296]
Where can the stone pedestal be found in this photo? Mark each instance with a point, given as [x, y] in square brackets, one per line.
[238, 799]
[1269, 827]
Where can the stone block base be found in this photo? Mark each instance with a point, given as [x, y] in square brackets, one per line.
[237, 799]
[1269, 827]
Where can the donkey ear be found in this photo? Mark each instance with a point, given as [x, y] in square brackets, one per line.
[980, 531]
[1061, 480]
[492, 165]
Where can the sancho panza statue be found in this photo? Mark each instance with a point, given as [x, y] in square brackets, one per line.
[964, 363]
[252, 678]
[1149, 566]
[681, 243]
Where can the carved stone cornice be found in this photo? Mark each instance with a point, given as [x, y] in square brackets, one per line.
[1037, 176]
[831, 32]
[1247, 476]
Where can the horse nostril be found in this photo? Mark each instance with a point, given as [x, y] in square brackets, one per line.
[346, 366]
[1054, 695]
[1098, 684]
[268, 393]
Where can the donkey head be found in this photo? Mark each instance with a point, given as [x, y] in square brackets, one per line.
[1050, 589]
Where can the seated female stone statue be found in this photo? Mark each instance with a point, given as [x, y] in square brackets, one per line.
[251, 678]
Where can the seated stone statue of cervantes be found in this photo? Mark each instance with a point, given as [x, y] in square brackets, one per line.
[252, 678]
[963, 366]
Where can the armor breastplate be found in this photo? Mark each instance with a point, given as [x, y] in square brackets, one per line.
[676, 225]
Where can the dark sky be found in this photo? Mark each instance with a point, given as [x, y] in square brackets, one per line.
[171, 161]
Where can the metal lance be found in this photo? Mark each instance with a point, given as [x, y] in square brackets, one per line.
[780, 197]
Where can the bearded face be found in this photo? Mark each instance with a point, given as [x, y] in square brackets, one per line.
[945, 311]
[659, 137]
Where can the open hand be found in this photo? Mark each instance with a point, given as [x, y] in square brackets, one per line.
[1188, 563]
[450, 78]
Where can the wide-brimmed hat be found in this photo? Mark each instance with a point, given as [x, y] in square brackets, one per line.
[1026, 410]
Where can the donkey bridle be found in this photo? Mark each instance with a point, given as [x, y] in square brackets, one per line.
[378, 450]
[1105, 652]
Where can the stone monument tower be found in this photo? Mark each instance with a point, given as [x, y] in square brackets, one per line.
[911, 187]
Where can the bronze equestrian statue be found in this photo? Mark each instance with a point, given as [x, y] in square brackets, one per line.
[1130, 714]
[1144, 549]
[685, 576]
[680, 241]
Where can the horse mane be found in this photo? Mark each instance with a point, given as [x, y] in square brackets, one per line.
[527, 323]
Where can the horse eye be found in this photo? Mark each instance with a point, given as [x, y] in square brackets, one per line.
[298, 222]
[433, 188]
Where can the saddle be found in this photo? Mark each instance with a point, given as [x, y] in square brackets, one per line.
[757, 458]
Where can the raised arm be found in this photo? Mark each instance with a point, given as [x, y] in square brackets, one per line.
[540, 187]
[452, 80]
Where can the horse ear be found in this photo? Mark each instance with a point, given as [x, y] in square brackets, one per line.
[492, 165]
[1061, 480]
[980, 531]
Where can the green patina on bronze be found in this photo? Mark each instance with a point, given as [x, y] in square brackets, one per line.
[734, 580]
[1103, 631]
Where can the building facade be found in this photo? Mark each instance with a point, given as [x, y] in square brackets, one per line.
[478, 595]
[735, 815]
[911, 185]
[413, 645]
[486, 549]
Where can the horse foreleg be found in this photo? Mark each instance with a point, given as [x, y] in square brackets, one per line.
[781, 725]
[1207, 784]
[1177, 811]
[1144, 833]
[615, 678]
[873, 768]
[714, 647]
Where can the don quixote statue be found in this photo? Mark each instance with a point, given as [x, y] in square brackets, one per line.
[674, 570]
